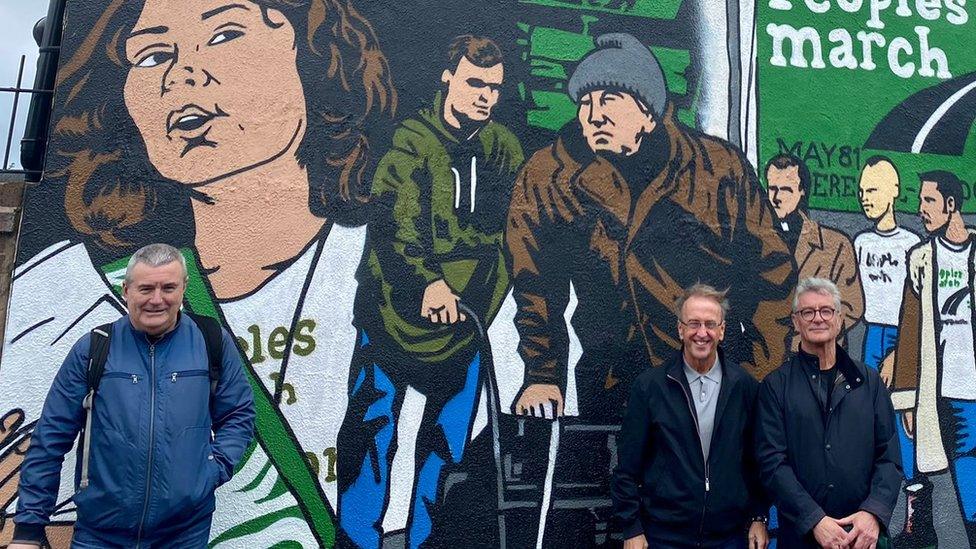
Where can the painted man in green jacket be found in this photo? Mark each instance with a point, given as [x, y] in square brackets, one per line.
[434, 254]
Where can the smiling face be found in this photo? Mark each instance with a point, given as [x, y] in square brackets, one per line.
[213, 87]
[613, 121]
[784, 189]
[153, 296]
[472, 91]
[701, 344]
[878, 189]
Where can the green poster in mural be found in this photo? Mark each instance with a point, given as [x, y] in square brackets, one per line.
[843, 80]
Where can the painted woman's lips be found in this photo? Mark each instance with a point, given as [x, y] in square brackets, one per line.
[190, 118]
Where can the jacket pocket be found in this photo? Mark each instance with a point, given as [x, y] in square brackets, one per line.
[190, 474]
[113, 483]
[188, 399]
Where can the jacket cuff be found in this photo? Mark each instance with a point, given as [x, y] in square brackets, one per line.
[878, 509]
[634, 529]
[806, 525]
[28, 533]
[903, 400]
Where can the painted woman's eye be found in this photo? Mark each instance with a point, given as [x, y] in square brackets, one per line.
[155, 59]
[225, 36]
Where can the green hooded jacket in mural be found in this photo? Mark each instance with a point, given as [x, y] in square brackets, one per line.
[439, 206]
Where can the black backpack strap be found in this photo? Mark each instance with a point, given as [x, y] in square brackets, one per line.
[101, 337]
[213, 336]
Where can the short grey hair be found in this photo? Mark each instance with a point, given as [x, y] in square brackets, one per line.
[821, 286]
[155, 255]
[706, 291]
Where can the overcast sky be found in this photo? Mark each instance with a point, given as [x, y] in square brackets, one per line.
[17, 18]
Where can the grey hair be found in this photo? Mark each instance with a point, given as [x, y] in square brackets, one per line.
[706, 291]
[821, 286]
[155, 255]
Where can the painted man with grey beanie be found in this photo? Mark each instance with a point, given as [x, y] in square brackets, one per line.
[629, 206]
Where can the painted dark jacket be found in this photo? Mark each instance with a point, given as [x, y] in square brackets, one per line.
[826, 459]
[659, 485]
[630, 247]
[425, 227]
[154, 464]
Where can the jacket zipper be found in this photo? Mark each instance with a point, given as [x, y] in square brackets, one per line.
[152, 425]
[187, 373]
[701, 527]
[108, 375]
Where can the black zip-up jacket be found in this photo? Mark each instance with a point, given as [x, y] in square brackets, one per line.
[662, 486]
[826, 459]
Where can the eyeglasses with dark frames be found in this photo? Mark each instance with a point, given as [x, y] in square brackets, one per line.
[808, 314]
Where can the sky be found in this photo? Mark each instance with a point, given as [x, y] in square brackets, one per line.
[17, 18]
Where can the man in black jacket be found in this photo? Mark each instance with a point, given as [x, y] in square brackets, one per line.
[685, 475]
[826, 441]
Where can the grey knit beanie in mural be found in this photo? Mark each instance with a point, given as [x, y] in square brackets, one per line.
[620, 61]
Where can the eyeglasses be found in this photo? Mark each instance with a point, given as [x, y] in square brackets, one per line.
[694, 325]
[826, 313]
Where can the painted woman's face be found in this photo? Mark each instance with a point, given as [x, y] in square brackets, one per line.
[213, 87]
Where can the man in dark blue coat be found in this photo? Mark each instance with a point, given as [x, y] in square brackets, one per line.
[162, 436]
[686, 475]
[825, 437]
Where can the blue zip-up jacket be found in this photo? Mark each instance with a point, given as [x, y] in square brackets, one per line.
[154, 464]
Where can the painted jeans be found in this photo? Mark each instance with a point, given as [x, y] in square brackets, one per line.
[961, 446]
[367, 444]
[879, 340]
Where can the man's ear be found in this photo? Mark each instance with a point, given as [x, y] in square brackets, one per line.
[951, 204]
[651, 123]
[446, 76]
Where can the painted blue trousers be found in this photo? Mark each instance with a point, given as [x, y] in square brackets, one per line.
[367, 441]
[962, 454]
[879, 340]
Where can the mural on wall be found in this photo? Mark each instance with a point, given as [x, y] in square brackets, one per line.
[887, 130]
[444, 234]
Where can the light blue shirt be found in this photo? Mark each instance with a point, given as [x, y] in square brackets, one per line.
[704, 393]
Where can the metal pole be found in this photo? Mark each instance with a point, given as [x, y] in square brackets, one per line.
[13, 115]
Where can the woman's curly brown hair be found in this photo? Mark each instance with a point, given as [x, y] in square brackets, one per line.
[111, 190]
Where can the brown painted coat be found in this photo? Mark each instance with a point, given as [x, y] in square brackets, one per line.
[704, 217]
[827, 253]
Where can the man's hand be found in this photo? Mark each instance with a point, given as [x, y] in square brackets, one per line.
[831, 535]
[12, 437]
[541, 400]
[440, 304]
[865, 529]
[908, 420]
[636, 542]
[887, 369]
[758, 536]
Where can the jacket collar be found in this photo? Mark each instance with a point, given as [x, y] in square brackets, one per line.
[851, 371]
[434, 117]
[850, 375]
[144, 337]
[730, 372]
[810, 240]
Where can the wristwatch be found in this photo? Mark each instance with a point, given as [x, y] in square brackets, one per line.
[760, 518]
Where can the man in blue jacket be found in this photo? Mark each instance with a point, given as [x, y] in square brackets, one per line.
[686, 476]
[162, 437]
[826, 441]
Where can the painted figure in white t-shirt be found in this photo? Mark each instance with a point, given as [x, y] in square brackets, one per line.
[881, 254]
[933, 371]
